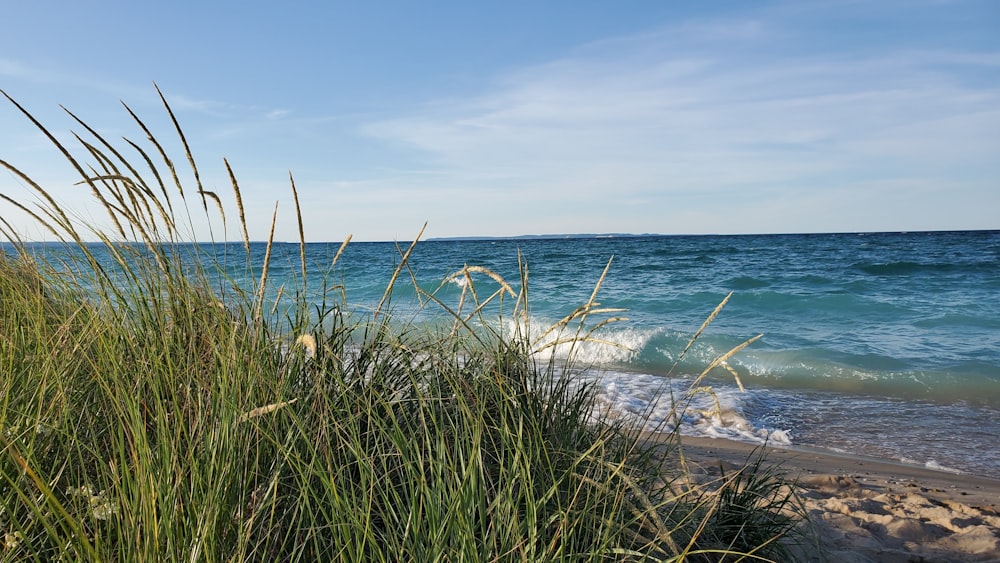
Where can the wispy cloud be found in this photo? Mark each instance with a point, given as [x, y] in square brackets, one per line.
[278, 114]
[11, 68]
[712, 108]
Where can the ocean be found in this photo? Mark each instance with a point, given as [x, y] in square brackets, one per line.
[877, 344]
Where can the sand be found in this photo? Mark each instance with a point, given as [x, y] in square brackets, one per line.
[865, 509]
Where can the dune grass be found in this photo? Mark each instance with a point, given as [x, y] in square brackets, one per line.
[153, 409]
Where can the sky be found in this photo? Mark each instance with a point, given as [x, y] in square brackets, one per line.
[524, 117]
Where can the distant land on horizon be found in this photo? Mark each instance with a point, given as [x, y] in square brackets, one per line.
[550, 236]
[644, 235]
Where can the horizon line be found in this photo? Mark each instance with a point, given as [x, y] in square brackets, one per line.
[561, 236]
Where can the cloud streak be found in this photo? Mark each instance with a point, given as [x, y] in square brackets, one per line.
[716, 111]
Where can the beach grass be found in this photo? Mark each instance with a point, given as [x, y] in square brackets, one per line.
[153, 408]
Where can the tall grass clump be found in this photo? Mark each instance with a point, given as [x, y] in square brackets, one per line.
[155, 408]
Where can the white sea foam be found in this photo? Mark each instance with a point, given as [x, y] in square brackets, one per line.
[650, 402]
[930, 464]
[655, 404]
[611, 346]
[938, 467]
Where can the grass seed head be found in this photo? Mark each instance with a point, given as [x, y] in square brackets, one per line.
[308, 343]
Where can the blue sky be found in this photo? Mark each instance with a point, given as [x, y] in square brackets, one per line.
[532, 117]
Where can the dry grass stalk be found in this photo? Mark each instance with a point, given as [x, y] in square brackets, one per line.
[723, 358]
[735, 375]
[468, 287]
[8, 231]
[702, 328]
[187, 148]
[340, 250]
[266, 409]
[589, 307]
[395, 274]
[54, 211]
[302, 234]
[137, 191]
[134, 221]
[105, 180]
[111, 180]
[29, 212]
[112, 210]
[163, 155]
[259, 307]
[139, 183]
[218, 204]
[169, 211]
[277, 299]
[239, 207]
[467, 270]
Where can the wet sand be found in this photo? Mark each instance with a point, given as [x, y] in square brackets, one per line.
[871, 510]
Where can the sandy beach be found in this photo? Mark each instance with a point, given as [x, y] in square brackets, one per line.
[870, 510]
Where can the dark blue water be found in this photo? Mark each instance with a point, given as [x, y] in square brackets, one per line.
[884, 344]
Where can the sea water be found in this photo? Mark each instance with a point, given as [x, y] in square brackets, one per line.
[880, 344]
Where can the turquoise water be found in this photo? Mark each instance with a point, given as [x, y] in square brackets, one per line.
[884, 344]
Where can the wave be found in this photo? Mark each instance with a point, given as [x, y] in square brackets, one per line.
[907, 267]
[747, 282]
[656, 404]
[657, 353]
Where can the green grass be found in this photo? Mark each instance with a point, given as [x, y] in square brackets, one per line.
[144, 417]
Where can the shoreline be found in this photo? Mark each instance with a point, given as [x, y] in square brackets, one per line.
[865, 509]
